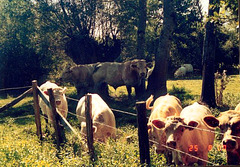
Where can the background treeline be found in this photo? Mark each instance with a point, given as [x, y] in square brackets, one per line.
[39, 37]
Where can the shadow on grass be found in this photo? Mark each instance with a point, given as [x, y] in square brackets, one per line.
[22, 115]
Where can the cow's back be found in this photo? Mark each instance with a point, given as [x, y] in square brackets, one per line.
[109, 72]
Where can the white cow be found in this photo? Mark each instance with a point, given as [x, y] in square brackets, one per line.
[60, 100]
[189, 67]
[180, 72]
[182, 135]
[104, 124]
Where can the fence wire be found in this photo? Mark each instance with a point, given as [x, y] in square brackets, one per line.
[120, 111]
[16, 88]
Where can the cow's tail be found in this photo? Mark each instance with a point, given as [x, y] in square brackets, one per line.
[148, 102]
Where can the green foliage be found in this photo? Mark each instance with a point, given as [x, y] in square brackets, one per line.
[20, 60]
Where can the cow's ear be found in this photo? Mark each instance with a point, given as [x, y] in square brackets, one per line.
[64, 90]
[94, 129]
[192, 124]
[158, 123]
[211, 121]
[45, 92]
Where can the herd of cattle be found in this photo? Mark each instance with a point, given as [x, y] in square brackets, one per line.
[169, 125]
[95, 77]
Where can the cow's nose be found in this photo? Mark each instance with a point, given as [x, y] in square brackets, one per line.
[172, 144]
[230, 144]
[58, 103]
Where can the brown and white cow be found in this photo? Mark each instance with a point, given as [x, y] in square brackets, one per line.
[60, 99]
[80, 76]
[104, 124]
[129, 73]
[182, 135]
[163, 107]
[229, 124]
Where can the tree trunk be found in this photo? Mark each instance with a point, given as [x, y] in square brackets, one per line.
[140, 90]
[157, 81]
[208, 90]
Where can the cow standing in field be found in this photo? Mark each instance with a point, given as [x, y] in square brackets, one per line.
[103, 119]
[182, 135]
[81, 77]
[60, 100]
[180, 72]
[183, 70]
[129, 73]
[229, 124]
[163, 107]
[189, 67]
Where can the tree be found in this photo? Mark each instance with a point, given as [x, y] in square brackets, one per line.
[208, 91]
[142, 16]
[157, 81]
[21, 61]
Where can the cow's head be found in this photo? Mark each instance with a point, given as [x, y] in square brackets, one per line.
[229, 124]
[99, 132]
[58, 93]
[174, 127]
[66, 74]
[140, 67]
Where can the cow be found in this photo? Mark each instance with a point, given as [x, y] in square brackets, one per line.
[237, 108]
[60, 101]
[103, 119]
[163, 107]
[189, 67]
[80, 76]
[181, 133]
[229, 124]
[130, 73]
[180, 72]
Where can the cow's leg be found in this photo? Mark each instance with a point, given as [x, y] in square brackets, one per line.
[129, 90]
[46, 120]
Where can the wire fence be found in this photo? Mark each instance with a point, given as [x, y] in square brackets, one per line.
[118, 130]
[16, 88]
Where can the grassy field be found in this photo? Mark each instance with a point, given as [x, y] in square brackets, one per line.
[19, 145]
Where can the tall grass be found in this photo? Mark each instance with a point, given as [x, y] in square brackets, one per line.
[19, 145]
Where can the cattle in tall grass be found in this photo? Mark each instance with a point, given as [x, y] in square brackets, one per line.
[130, 73]
[163, 107]
[181, 133]
[103, 119]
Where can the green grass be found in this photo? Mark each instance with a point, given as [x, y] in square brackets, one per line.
[19, 145]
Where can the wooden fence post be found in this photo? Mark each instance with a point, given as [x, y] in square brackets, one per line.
[89, 127]
[143, 133]
[37, 109]
[56, 120]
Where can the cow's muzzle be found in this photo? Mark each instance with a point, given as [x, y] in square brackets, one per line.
[58, 103]
[231, 144]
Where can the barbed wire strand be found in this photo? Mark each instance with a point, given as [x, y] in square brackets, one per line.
[183, 152]
[16, 88]
[116, 110]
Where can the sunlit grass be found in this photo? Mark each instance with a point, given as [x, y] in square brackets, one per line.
[20, 146]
